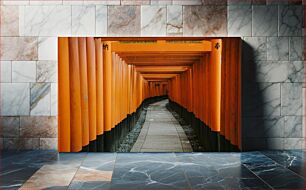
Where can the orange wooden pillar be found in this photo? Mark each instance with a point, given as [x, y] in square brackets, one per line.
[107, 87]
[63, 96]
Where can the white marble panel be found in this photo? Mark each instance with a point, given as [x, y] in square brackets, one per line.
[293, 143]
[101, 20]
[6, 71]
[23, 71]
[46, 71]
[46, 2]
[40, 99]
[15, 2]
[153, 20]
[83, 20]
[239, 21]
[102, 2]
[291, 99]
[47, 48]
[15, 99]
[174, 20]
[54, 99]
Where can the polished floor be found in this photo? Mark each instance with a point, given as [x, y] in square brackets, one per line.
[123, 171]
[161, 132]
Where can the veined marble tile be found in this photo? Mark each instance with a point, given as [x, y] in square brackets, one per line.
[239, 20]
[296, 71]
[48, 143]
[73, 2]
[18, 48]
[153, 20]
[275, 143]
[265, 20]
[123, 20]
[46, 71]
[205, 21]
[174, 20]
[277, 71]
[161, 2]
[40, 102]
[6, 71]
[54, 99]
[50, 20]
[23, 71]
[294, 143]
[15, 2]
[90, 174]
[296, 49]
[291, 98]
[9, 19]
[21, 143]
[187, 2]
[38, 126]
[294, 127]
[101, 20]
[102, 2]
[83, 20]
[290, 20]
[9, 127]
[46, 2]
[15, 99]
[256, 49]
[135, 2]
[47, 48]
[278, 48]
[261, 99]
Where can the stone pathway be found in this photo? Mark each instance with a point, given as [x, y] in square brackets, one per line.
[161, 132]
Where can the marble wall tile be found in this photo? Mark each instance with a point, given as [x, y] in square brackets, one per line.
[40, 101]
[6, 71]
[265, 19]
[290, 20]
[205, 20]
[275, 143]
[38, 126]
[293, 127]
[239, 21]
[255, 48]
[123, 20]
[296, 48]
[18, 48]
[46, 71]
[161, 2]
[21, 143]
[135, 2]
[47, 48]
[9, 126]
[261, 99]
[174, 20]
[73, 2]
[278, 48]
[83, 20]
[23, 71]
[46, 2]
[153, 20]
[101, 20]
[293, 143]
[49, 20]
[48, 143]
[296, 71]
[102, 2]
[292, 99]
[9, 19]
[15, 99]
[239, 2]
[214, 2]
[54, 99]
[187, 2]
[15, 2]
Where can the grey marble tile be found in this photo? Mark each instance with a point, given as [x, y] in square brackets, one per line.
[293, 127]
[239, 20]
[296, 49]
[48, 143]
[278, 48]
[15, 99]
[291, 98]
[255, 49]
[46, 71]
[296, 71]
[123, 20]
[261, 99]
[51, 20]
[175, 20]
[38, 126]
[294, 143]
[101, 20]
[265, 19]
[205, 20]
[9, 126]
[272, 71]
[18, 48]
[153, 20]
[6, 71]
[187, 2]
[9, 19]
[21, 143]
[83, 20]
[290, 20]
[239, 2]
[40, 99]
[214, 2]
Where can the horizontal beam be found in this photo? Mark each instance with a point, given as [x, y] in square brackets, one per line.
[161, 68]
[158, 76]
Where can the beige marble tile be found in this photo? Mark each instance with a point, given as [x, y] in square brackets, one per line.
[205, 21]
[6, 71]
[123, 20]
[48, 143]
[89, 174]
[18, 48]
[9, 126]
[9, 20]
[38, 126]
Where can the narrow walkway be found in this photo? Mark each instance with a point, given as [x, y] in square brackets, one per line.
[161, 132]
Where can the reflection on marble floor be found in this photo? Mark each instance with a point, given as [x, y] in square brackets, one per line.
[122, 171]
